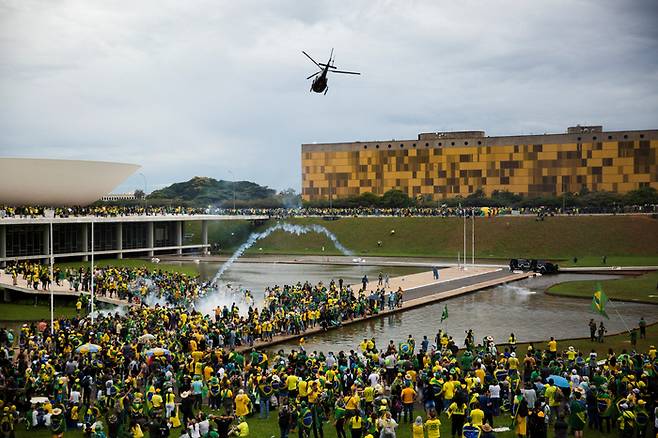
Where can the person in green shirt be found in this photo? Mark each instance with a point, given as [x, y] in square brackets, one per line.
[577, 415]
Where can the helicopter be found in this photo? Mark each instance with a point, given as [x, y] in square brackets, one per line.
[319, 84]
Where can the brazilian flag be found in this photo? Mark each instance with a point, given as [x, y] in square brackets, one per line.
[599, 301]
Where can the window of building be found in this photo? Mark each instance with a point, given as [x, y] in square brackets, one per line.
[594, 138]
[610, 137]
[377, 146]
[365, 147]
[641, 135]
[401, 145]
[414, 145]
[625, 135]
[427, 144]
[466, 143]
[479, 142]
[453, 143]
[389, 146]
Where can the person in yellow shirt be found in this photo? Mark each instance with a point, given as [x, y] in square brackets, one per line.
[352, 403]
[408, 397]
[433, 425]
[477, 415]
[242, 404]
[356, 425]
[552, 348]
[448, 390]
[291, 384]
[302, 388]
[417, 429]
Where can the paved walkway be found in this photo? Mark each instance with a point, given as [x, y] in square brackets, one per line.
[422, 279]
[415, 297]
[419, 290]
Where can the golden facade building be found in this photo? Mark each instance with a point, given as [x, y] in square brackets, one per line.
[446, 164]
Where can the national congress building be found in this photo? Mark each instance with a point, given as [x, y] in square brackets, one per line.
[446, 164]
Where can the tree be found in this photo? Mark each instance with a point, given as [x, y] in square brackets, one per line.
[139, 194]
[395, 198]
[643, 195]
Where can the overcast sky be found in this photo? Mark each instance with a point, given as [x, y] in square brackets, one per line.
[187, 88]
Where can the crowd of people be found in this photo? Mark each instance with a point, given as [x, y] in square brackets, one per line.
[98, 211]
[168, 370]
[438, 211]
[131, 284]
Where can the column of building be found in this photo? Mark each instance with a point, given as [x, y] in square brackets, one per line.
[119, 238]
[204, 236]
[85, 242]
[3, 244]
[179, 237]
[45, 239]
[149, 238]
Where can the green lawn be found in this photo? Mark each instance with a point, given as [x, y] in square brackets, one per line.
[635, 288]
[30, 312]
[625, 240]
[611, 261]
[616, 342]
[135, 263]
[269, 428]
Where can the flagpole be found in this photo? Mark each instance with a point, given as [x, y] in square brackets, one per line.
[92, 271]
[464, 215]
[52, 282]
[473, 238]
[619, 315]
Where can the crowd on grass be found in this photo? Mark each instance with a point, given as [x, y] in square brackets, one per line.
[438, 211]
[287, 309]
[168, 370]
[171, 371]
[131, 284]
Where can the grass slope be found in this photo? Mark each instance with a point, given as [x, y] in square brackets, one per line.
[134, 263]
[640, 288]
[30, 312]
[623, 239]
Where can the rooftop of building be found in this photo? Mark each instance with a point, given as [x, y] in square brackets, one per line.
[574, 134]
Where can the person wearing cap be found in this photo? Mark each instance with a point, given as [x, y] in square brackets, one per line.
[641, 419]
[417, 428]
[626, 421]
[57, 423]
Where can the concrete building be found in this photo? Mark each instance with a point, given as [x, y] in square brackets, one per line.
[118, 197]
[29, 238]
[29, 182]
[441, 165]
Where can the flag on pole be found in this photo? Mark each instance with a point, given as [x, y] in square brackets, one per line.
[444, 315]
[599, 301]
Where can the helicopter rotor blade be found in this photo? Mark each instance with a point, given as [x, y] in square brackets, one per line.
[345, 72]
[330, 66]
[313, 75]
[312, 60]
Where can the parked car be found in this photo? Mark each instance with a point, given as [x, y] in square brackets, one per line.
[532, 265]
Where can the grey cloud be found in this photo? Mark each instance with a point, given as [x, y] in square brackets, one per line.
[201, 88]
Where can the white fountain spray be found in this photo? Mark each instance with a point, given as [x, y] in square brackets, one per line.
[225, 294]
[288, 228]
